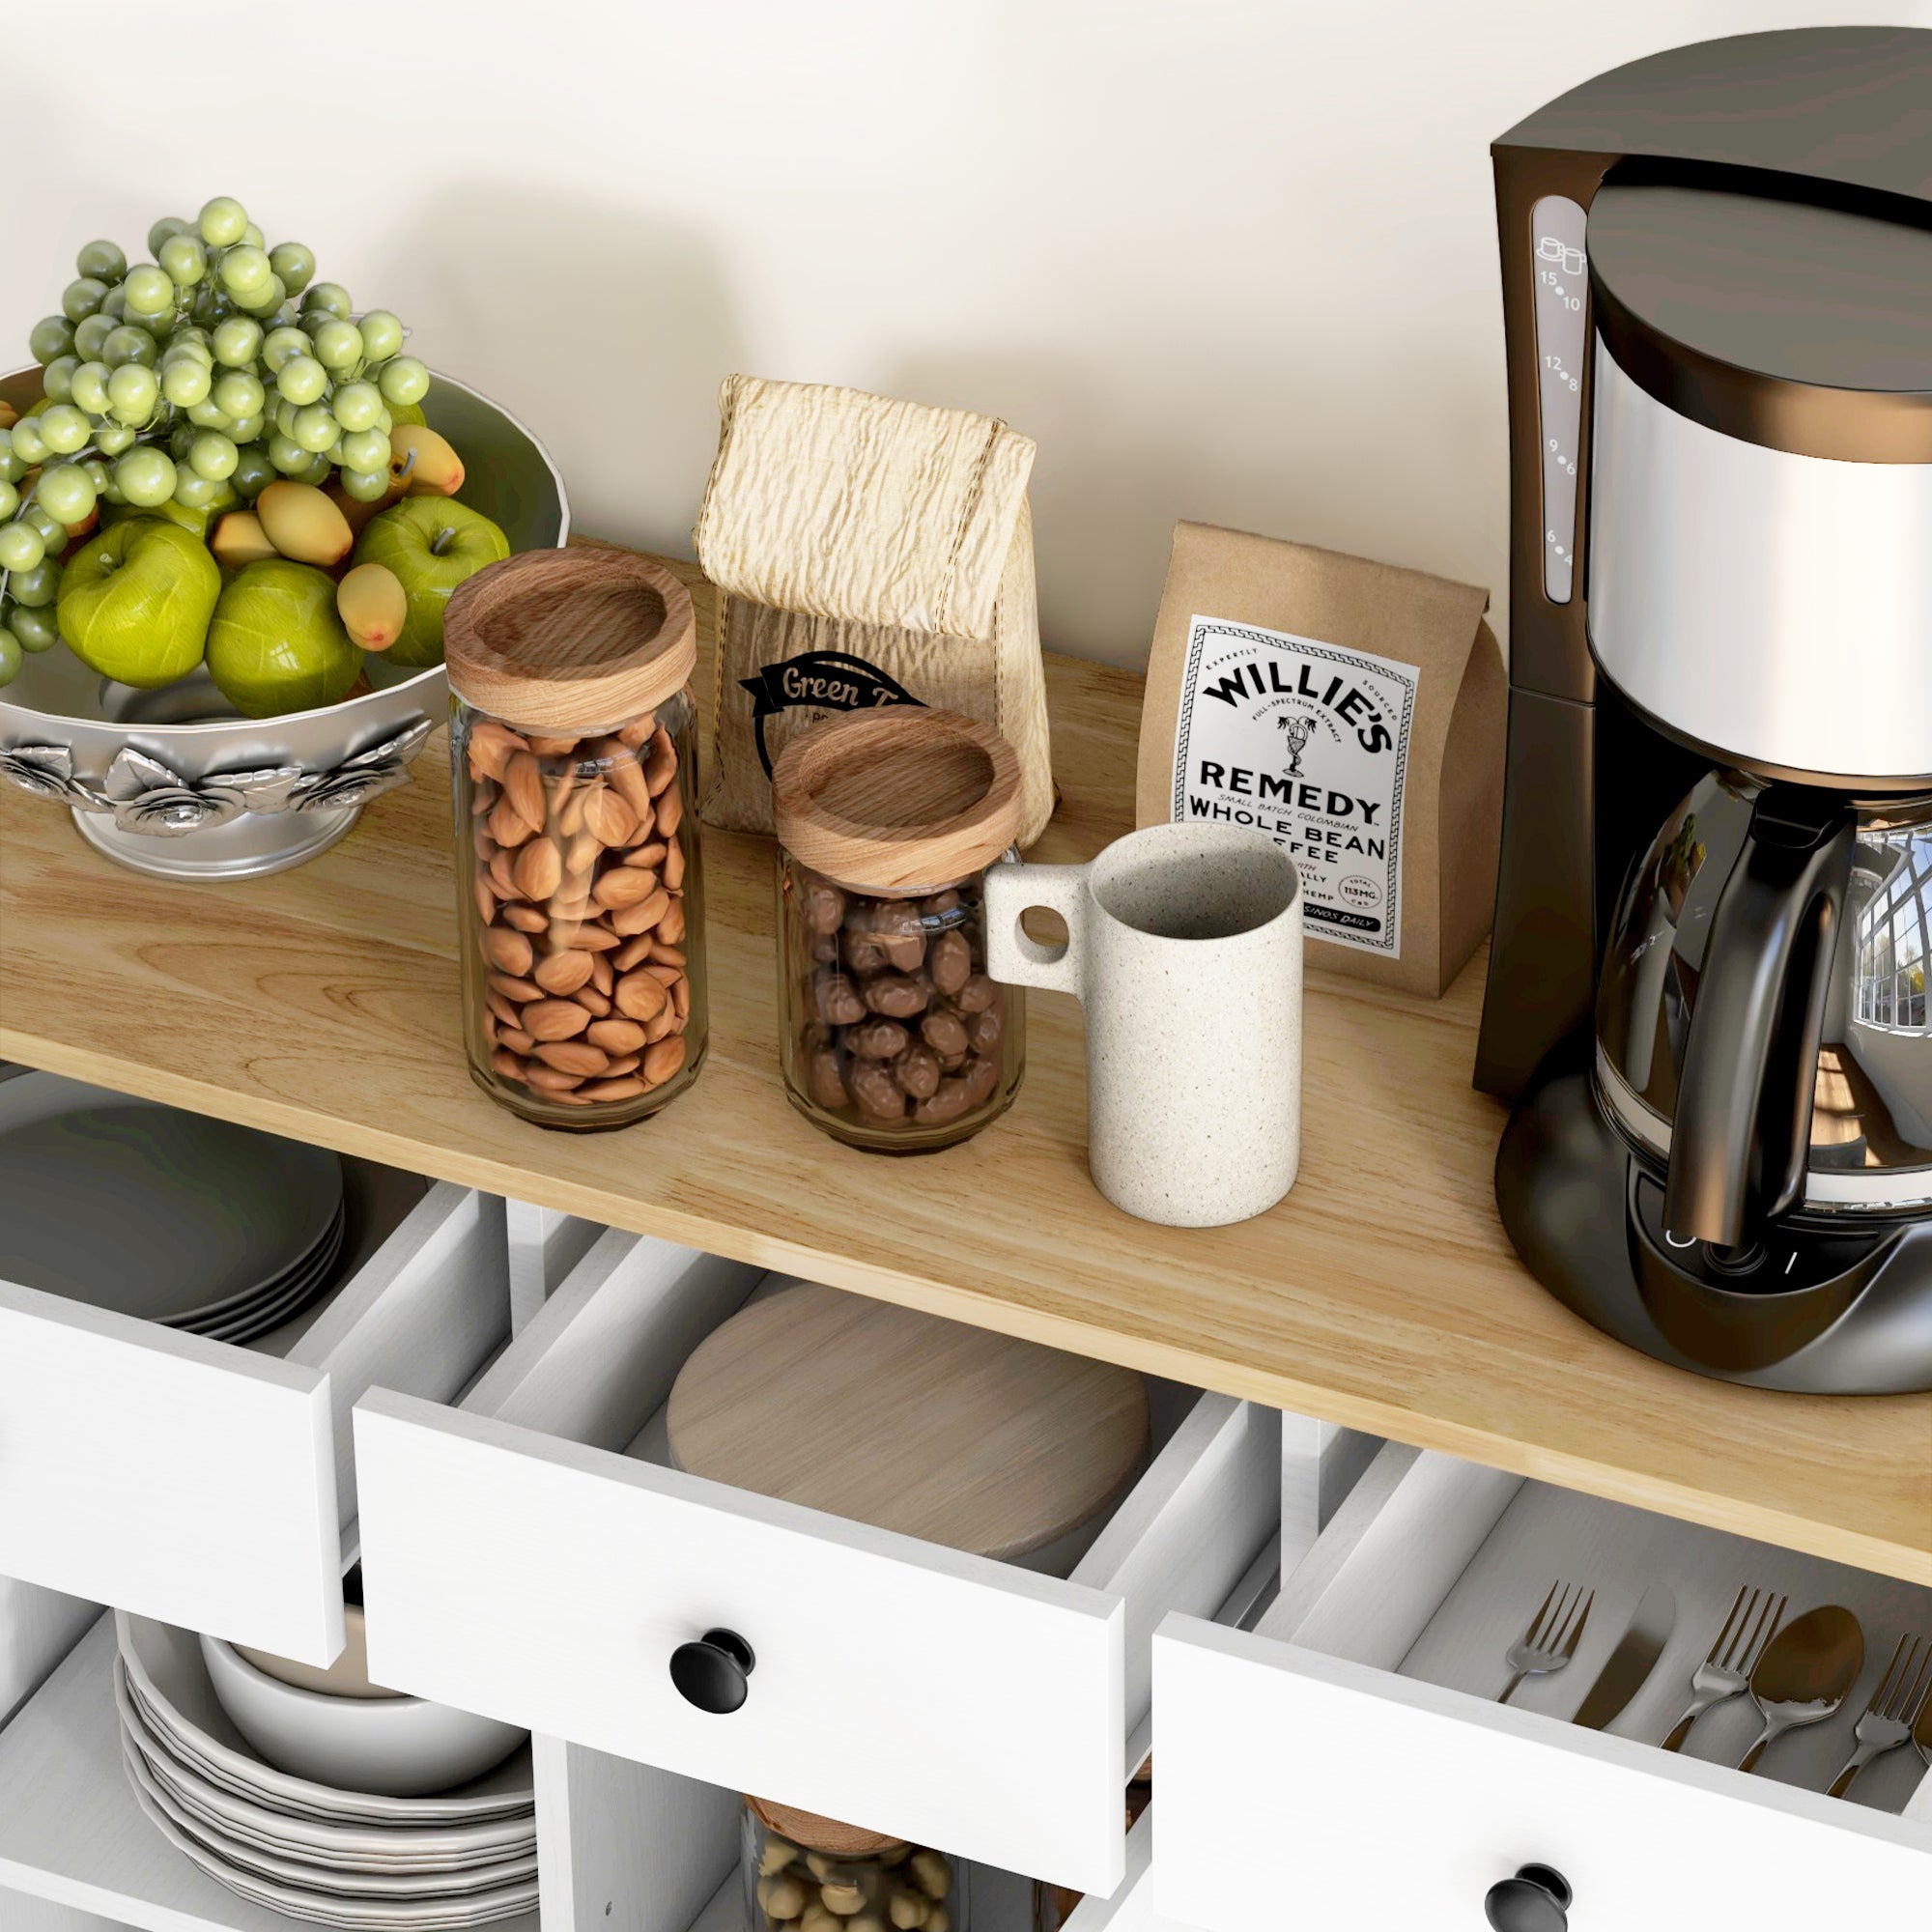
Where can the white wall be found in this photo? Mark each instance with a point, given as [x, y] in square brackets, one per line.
[1226, 259]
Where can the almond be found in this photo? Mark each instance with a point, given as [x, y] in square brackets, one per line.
[627, 776]
[562, 973]
[553, 1079]
[607, 815]
[507, 826]
[663, 1060]
[673, 867]
[513, 986]
[665, 955]
[486, 899]
[659, 762]
[527, 919]
[640, 918]
[554, 1019]
[517, 1041]
[671, 928]
[508, 952]
[631, 951]
[616, 1036]
[621, 886]
[573, 1056]
[627, 1089]
[665, 1023]
[600, 975]
[502, 879]
[491, 746]
[508, 1064]
[680, 998]
[637, 734]
[639, 997]
[552, 747]
[647, 857]
[664, 971]
[627, 1063]
[581, 854]
[524, 788]
[594, 1001]
[671, 811]
[538, 871]
[503, 1009]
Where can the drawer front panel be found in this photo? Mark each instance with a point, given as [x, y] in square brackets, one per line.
[1349, 1796]
[168, 1474]
[940, 1697]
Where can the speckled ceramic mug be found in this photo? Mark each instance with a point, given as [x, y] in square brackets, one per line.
[1184, 946]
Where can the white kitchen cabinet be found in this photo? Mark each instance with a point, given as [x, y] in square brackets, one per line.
[209, 1484]
[1298, 1762]
[517, 1562]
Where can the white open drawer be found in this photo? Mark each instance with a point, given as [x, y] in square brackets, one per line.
[208, 1484]
[517, 1563]
[1370, 1799]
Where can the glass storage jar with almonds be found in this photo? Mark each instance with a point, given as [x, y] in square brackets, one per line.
[573, 749]
[892, 1035]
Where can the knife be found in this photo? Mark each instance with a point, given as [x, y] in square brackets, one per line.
[1631, 1663]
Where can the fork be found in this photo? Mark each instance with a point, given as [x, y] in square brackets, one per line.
[1552, 1638]
[1895, 1704]
[1753, 1621]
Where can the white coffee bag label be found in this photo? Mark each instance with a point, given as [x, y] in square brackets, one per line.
[1310, 744]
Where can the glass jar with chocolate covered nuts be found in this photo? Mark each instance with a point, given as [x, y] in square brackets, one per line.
[573, 750]
[891, 1036]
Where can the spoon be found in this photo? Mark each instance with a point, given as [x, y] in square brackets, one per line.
[1805, 1673]
[1922, 1731]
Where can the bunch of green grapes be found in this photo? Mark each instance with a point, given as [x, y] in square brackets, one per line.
[190, 380]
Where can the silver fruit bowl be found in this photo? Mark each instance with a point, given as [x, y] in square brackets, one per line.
[175, 782]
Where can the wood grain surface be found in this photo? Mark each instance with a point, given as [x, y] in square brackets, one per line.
[934, 1429]
[1381, 1293]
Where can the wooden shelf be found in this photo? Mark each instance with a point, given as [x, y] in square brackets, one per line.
[1382, 1294]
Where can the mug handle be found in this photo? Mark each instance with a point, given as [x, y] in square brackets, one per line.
[1011, 956]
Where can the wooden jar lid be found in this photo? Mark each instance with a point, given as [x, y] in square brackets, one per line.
[570, 640]
[898, 798]
[816, 1833]
[886, 1417]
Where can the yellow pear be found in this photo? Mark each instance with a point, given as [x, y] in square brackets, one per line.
[302, 523]
[238, 538]
[422, 462]
[373, 605]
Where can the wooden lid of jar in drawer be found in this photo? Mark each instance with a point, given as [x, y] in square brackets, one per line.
[886, 1417]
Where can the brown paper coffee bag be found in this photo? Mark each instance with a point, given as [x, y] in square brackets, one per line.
[1355, 712]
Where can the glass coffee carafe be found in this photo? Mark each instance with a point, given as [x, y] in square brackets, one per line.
[1762, 1007]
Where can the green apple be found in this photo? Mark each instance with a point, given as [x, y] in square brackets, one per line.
[276, 645]
[135, 601]
[432, 543]
[195, 521]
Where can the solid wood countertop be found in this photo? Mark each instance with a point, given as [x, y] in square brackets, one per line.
[1381, 1293]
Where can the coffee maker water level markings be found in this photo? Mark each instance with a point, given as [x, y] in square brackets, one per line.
[1562, 287]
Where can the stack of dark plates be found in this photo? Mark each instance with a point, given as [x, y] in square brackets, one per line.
[166, 1215]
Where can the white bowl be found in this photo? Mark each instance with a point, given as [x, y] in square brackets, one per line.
[396, 1747]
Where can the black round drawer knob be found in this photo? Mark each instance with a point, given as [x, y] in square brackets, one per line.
[712, 1673]
[1537, 1899]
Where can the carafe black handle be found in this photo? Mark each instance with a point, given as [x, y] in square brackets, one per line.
[1742, 1130]
[1537, 1899]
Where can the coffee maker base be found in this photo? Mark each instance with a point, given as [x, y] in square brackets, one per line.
[1810, 1310]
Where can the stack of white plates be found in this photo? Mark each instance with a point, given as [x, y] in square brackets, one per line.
[350, 1858]
[196, 1224]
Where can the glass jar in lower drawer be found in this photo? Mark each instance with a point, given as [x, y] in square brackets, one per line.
[804, 1873]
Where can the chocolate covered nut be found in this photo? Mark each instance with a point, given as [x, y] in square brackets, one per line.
[943, 1031]
[878, 1039]
[952, 1100]
[982, 1077]
[983, 1031]
[879, 1097]
[950, 962]
[836, 999]
[825, 948]
[939, 904]
[822, 905]
[975, 995]
[917, 1070]
[826, 1081]
[900, 936]
[865, 950]
[896, 995]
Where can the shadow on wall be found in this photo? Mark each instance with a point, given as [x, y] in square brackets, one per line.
[1110, 484]
[604, 328]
